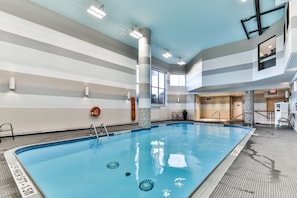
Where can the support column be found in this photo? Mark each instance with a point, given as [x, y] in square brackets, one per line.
[249, 107]
[144, 61]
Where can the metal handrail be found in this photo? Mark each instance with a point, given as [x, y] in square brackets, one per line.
[216, 113]
[8, 129]
[265, 116]
[244, 114]
[95, 130]
[241, 114]
[103, 126]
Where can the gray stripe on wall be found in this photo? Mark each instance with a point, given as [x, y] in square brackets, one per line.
[228, 69]
[47, 86]
[31, 11]
[64, 93]
[173, 98]
[145, 90]
[144, 60]
[30, 43]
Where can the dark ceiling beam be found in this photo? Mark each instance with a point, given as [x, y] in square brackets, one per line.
[254, 16]
[266, 12]
[253, 31]
[244, 28]
[258, 16]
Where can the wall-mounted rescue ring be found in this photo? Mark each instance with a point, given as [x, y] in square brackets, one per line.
[95, 111]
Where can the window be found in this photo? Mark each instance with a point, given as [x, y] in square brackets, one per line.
[177, 80]
[158, 87]
[267, 53]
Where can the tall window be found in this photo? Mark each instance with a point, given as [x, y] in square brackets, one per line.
[177, 80]
[158, 87]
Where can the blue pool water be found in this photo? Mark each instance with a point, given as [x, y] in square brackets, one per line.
[166, 161]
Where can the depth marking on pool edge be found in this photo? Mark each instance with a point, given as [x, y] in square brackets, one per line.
[22, 180]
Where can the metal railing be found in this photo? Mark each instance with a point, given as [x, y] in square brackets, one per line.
[270, 115]
[217, 112]
[243, 114]
[103, 126]
[95, 130]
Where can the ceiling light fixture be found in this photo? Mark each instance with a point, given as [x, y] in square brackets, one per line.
[181, 62]
[167, 54]
[136, 34]
[96, 10]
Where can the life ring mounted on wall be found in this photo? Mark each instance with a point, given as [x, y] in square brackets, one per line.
[95, 111]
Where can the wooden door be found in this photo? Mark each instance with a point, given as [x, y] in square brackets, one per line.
[270, 103]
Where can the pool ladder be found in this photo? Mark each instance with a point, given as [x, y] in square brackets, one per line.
[93, 127]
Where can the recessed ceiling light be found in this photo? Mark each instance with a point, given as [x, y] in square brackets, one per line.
[136, 34]
[97, 11]
[181, 62]
[167, 54]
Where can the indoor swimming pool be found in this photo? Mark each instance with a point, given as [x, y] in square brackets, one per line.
[164, 161]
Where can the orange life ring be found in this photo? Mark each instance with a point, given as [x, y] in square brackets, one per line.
[133, 112]
[95, 111]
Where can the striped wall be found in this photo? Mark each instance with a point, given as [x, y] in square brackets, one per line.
[52, 70]
[52, 66]
[234, 63]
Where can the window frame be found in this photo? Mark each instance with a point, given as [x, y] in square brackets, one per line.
[160, 88]
[271, 57]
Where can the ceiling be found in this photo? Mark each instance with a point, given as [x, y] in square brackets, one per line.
[183, 27]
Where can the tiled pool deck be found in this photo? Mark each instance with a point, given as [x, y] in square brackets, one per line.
[266, 167]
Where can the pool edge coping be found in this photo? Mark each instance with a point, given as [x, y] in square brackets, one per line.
[21, 176]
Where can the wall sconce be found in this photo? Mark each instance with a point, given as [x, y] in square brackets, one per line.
[128, 96]
[178, 101]
[286, 94]
[11, 83]
[87, 91]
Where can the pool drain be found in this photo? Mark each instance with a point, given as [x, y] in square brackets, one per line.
[146, 185]
[113, 165]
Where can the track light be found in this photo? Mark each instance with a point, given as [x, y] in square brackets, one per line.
[181, 62]
[167, 54]
[136, 34]
[96, 10]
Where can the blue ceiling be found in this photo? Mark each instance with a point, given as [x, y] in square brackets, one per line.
[183, 27]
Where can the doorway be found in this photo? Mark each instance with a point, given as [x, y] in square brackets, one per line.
[236, 108]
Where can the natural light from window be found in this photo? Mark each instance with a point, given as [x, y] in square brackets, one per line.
[158, 87]
[177, 80]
